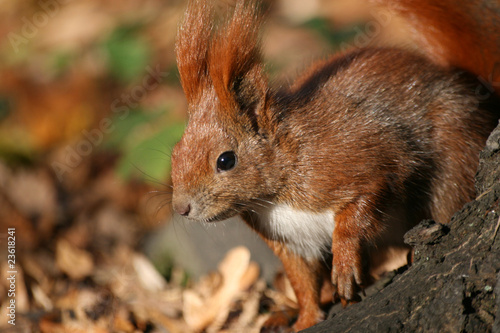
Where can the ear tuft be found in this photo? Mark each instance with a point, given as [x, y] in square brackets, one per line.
[227, 58]
[235, 50]
[191, 47]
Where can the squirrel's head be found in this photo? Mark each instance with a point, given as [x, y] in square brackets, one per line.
[217, 167]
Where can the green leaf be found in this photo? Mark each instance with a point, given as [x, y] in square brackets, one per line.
[61, 61]
[5, 107]
[150, 158]
[334, 36]
[117, 139]
[128, 53]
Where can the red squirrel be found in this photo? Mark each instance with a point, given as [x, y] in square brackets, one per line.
[342, 163]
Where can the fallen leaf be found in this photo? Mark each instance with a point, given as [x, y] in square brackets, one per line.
[212, 312]
[41, 298]
[76, 263]
[148, 276]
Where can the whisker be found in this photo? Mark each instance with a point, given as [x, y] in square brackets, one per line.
[266, 201]
[155, 194]
[162, 152]
[246, 207]
[149, 177]
[161, 206]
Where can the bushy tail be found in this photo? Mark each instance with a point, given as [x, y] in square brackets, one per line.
[463, 34]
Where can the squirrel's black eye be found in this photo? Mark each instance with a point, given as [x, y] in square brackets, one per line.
[226, 161]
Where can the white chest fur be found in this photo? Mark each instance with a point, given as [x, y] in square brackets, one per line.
[305, 233]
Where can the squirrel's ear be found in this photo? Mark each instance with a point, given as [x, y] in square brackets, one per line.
[194, 37]
[235, 60]
[250, 92]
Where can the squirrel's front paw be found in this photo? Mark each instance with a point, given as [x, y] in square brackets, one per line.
[347, 272]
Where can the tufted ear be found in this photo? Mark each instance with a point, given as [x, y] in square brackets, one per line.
[235, 64]
[225, 58]
[192, 45]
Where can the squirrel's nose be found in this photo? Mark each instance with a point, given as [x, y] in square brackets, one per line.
[183, 209]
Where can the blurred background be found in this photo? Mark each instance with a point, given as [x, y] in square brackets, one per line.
[90, 108]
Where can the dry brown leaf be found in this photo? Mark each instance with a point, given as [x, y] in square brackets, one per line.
[172, 325]
[41, 298]
[147, 274]
[251, 275]
[73, 261]
[26, 235]
[40, 187]
[90, 309]
[246, 321]
[47, 326]
[121, 321]
[283, 285]
[41, 267]
[212, 312]
[53, 112]
[193, 311]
